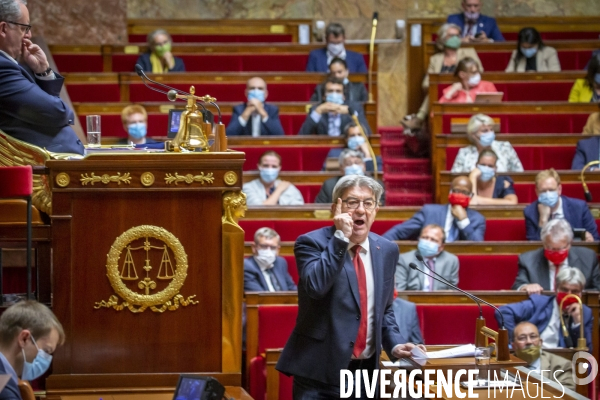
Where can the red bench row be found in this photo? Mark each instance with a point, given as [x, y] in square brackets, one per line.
[529, 123]
[191, 38]
[528, 91]
[569, 59]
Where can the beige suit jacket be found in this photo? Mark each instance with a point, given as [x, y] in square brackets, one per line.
[592, 126]
[546, 60]
[560, 366]
[437, 61]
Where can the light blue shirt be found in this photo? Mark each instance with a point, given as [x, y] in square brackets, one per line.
[9, 369]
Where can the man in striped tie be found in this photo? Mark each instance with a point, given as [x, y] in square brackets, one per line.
[345, 296]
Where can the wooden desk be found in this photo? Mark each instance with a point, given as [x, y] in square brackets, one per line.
[231, 392]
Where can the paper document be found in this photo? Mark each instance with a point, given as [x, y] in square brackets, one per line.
[467, 350]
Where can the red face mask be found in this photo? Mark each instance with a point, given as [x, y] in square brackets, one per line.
[561, 295]
[556, 256]
[459, 199]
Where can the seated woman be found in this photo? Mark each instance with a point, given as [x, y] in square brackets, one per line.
[587, 90]
[135, 123]
[491, 189]
[353, 91]
[532, 55]
[480, 132]
[354, 141]
[448, 54]
[159, 59]
[469, 84]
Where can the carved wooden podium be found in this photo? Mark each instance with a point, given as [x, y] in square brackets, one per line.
[148, 270]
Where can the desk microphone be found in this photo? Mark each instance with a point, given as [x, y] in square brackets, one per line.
[443, 280]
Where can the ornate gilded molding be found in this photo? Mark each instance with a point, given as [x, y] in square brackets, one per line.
[234, 207]
[189, 178]
[230, 178]
[167, 299]
[105, 179]
[63, 179]
[147, 179]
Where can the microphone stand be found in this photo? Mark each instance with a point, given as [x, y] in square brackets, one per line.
[371, 54]
[586, 191]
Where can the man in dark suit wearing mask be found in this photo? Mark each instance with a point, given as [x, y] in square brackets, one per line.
[353, 91]
[333, 114]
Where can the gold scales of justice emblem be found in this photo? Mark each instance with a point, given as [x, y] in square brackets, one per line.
[138, 300]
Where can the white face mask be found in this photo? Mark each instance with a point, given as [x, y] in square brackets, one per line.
[265, 258]
[335, 48]
[475, 79]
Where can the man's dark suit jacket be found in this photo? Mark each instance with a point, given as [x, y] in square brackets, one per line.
[408, 321]
[576, 213]
[587, 150]
[32, 111]
[484, 24]
[271, 127]
[533, 268]
[326, 192]
[310, 127]
[537, 309]
[317, 61]
[254, 280]
[322, 341]
[353, 92]
[436, 214]
[11, 390]
[144, 61]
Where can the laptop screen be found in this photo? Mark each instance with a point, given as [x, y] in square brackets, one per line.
[190, 388]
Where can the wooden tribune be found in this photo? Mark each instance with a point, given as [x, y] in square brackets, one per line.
[104, 205]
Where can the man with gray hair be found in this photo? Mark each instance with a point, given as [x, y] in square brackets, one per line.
[351, 163]
[538, 268]
[159, 58]
[345, 296]
[265, 271]
[29, 334]
[544, 312]
[30, 107]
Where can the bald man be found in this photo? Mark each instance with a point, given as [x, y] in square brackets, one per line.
[458, 220]
[528, 347]
[255, 117]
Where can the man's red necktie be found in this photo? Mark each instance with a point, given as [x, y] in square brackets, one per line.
[361, 339]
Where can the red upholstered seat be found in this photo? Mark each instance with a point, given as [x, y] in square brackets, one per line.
[96, 92]
[487, 271]
[512, 36]
[532, 157]
[191, 38]
[292, 269]
[526, 191]
[569, 59]
[433, 317]
[16, 181]
[505, 230]
[530, 123]
[299, 158]
[78, 62]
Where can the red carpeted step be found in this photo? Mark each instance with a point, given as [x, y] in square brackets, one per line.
[419, 166]
[393, 133]
[405, 183]
[392, 149]
[407, 199]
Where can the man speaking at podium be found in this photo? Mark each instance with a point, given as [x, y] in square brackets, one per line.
[345, 296]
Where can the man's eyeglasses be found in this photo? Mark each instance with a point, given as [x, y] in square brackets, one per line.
[353, 203]
[27, 27]
[267, 247]
[522, 338]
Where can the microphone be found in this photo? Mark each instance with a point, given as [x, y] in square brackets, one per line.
[375, 16]
[142, 74]
[443, 280]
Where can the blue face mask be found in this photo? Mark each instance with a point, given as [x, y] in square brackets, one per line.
[487, 138]
[37, 368]
[137, 130]
[549, 198]
[487, 173]
[428, 248]
[336, 98]
[256, 94]
[268, 175]
[353, 169]
[529, 52]
[355, 141]
[346, 81]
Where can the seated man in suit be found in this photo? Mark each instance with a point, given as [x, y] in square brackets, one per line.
[265, 271]
[255, 118]
[407, 320]
[319, 59]
[588, 150]
[329, 117]
[31, 109]
[431, 247]
[458, 220]
[537, 268]
[527, 345]
[351, 163]
[268, 190]
[353, 91]
[543, 311]
[355, 141]
[552, 205]
[29, 334]
[476, 27]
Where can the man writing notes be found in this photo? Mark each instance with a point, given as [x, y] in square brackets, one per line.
[345, 296]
